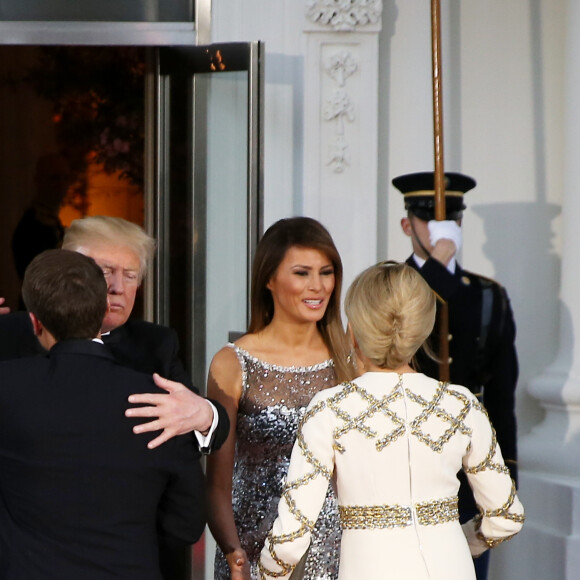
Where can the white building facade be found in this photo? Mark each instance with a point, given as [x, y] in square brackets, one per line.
[349, 107]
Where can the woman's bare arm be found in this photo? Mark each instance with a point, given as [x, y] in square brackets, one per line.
[225, 386]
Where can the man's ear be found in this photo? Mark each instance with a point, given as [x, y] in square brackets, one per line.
[37, 326]
[406, 226]
[43, 335]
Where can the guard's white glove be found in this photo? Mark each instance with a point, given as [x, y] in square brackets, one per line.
[445, 230]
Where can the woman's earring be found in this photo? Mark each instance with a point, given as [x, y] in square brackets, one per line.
[352, 359]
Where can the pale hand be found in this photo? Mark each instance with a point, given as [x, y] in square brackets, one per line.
[443, 251]
[239, 565]
[445, 230]
[4, 309]
[445, 239]
[180, 411]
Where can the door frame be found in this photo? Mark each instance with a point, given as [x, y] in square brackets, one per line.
[84, 33]
[168, 61]
[177, 37]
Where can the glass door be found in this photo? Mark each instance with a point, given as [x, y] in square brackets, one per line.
[193, 173]
[207, 146]
[208, 199]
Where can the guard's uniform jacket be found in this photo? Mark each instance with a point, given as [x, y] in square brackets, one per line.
[481, 348]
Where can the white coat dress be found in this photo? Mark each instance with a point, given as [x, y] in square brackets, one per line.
[394, 443]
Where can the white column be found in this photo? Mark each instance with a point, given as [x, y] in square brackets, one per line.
[341, 120]
[549, 456]
[554, 445]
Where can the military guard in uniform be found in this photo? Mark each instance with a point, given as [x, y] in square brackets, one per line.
[482, 354]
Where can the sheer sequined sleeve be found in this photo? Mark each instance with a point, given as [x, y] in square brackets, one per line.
[501, 512]
[311, 468]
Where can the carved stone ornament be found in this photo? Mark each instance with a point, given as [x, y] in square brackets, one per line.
[344, 15]
[340, 66]
[339, 155]
[337, 109]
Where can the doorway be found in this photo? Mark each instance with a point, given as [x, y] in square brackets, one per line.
[72, 145]
[179, 151]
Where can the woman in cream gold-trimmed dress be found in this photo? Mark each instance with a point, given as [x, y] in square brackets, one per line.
[394, 439]
[294, 348]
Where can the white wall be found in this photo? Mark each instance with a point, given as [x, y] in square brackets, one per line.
[503, 71]
[503, 82]
[503, 87]
[278, 23]
[512, 137]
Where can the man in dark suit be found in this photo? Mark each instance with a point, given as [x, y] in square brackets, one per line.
[81, 496]
[481, 324]
[17, 338]
[123, 251]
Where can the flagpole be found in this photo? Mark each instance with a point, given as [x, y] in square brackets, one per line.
[439, 179]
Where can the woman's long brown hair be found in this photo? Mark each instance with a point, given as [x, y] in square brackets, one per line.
[302, 232]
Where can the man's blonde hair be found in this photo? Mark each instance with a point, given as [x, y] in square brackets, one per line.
[391, 311]
[100, 229]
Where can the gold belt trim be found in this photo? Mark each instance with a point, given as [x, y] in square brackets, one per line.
[429, 513]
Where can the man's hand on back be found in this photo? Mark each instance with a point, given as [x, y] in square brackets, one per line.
[180, 411]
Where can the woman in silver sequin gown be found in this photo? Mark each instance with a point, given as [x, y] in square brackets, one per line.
[295, 347]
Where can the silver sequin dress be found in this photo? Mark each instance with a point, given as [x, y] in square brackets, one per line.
[273, 401]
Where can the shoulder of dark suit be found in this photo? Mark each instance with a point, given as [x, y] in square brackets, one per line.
[143, 327]
[484, 281]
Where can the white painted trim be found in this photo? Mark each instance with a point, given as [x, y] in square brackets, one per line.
[98, 33]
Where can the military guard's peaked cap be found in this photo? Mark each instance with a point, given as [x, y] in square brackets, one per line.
[418, 191]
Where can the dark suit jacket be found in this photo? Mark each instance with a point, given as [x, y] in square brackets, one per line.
[143, 346]
[17, 338]
[148, 348]
[81, 496]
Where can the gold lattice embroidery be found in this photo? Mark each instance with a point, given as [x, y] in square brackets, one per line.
[488, 463]
[428, 513]
[374, 405]
[504, 512]
[357, 422]
[431, 408]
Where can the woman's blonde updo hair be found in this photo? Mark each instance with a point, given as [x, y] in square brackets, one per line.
[391, 311]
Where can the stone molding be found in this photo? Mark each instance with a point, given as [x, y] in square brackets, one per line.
[339, 107]
[344, 15]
